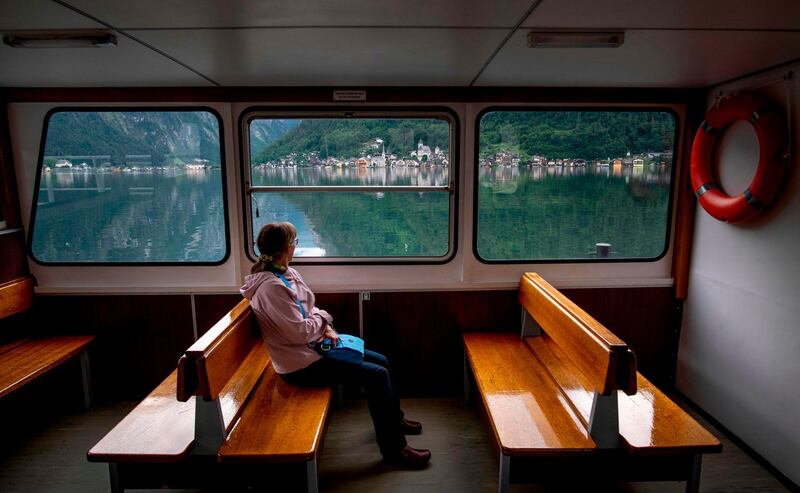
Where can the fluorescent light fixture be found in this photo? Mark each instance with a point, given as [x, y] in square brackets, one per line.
[60, 39]
[575, 39]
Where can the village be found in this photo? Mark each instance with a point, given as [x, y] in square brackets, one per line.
[508, 158]
[422, 156]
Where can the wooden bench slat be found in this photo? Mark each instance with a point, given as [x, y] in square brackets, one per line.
[8, 346]
[158, 429]
[596, 351]
[189, 373]
[649, 421]
[35, 357]
[569, 378]
[220, 359]
[234, 395]
[16, 296]
[218, 329]
[281, 423]
[529, 415]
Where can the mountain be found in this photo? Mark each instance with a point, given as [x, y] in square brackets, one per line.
[264, 132]
[175, 137]
[347, 138]
[172, 137]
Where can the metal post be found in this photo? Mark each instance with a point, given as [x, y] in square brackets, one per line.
[693, 484]
[339, 395]
[86, 376]
[209, 427]
[311, 476]
[113, 474]
[505, 470]
[529, 326]
[467, 391]
[604, 420]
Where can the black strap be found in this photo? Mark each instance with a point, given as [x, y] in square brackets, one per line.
[705, 187]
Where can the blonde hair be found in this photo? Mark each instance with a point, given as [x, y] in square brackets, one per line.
[273, 239]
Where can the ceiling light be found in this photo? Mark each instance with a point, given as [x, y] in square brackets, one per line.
[575, 39]
[60, 39]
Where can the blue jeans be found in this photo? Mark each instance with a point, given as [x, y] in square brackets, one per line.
[373, 375]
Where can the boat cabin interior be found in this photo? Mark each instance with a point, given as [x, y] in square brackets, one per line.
[571, 226]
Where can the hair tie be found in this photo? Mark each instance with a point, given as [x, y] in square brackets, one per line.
[265, 258]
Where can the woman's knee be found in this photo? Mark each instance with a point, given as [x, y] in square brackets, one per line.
[375, 374]
[376, 358]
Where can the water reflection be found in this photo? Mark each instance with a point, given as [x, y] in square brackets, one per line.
[105, 215]
[422, 176]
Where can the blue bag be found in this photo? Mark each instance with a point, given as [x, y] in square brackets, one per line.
[350, 349]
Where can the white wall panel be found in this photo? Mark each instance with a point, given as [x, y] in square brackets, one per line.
[740, 339]
[247, 13]
[326, 56]
[647, 59]
[685, 14]
[127, 64]
[41, 14]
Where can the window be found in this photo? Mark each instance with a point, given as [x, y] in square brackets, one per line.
[130, 187]
[356, 185]
[573, 185]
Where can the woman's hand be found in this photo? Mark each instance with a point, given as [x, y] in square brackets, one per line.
[331, 334]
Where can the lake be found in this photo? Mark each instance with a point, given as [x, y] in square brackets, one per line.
[176, 215]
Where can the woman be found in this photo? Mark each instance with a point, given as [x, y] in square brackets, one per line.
[291, 324]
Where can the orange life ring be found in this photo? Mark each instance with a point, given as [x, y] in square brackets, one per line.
[770, 126]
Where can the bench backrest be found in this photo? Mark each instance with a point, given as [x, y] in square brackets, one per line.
[16, 296]
[226, 363]
[604, 359]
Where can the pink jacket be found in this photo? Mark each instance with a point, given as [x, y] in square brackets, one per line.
[285, 331]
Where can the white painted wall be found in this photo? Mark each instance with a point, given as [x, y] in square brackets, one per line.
[739, 356]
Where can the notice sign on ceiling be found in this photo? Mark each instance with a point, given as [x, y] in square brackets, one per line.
[349, 95]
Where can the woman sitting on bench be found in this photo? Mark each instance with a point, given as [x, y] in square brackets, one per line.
[291, 325]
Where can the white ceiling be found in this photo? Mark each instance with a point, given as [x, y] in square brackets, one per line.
[677, 43]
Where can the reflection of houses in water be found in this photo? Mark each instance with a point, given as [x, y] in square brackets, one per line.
[627, 160]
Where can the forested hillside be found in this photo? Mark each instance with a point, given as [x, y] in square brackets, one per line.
[178, 137]
[575, 134]
[167, 137]
[345, 138]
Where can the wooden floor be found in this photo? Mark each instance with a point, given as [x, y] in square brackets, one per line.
[49, 455]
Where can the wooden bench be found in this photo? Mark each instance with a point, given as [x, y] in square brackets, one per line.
[565, 401]
[23, 360]
[219, 418]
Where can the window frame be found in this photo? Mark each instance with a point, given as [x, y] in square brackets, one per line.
[579, 108]
[132, 109]
[373, 112]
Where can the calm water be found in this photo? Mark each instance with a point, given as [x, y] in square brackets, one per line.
[159, 216]
[524, 213]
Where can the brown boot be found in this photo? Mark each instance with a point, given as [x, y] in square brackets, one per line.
[411, 427]
[410, 458]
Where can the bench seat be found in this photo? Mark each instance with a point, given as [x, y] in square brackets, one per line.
[25, 360]
[160, 429]
[528, 414]
[223, 419]
[647, 420]
[281, 423]
[565, 402]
